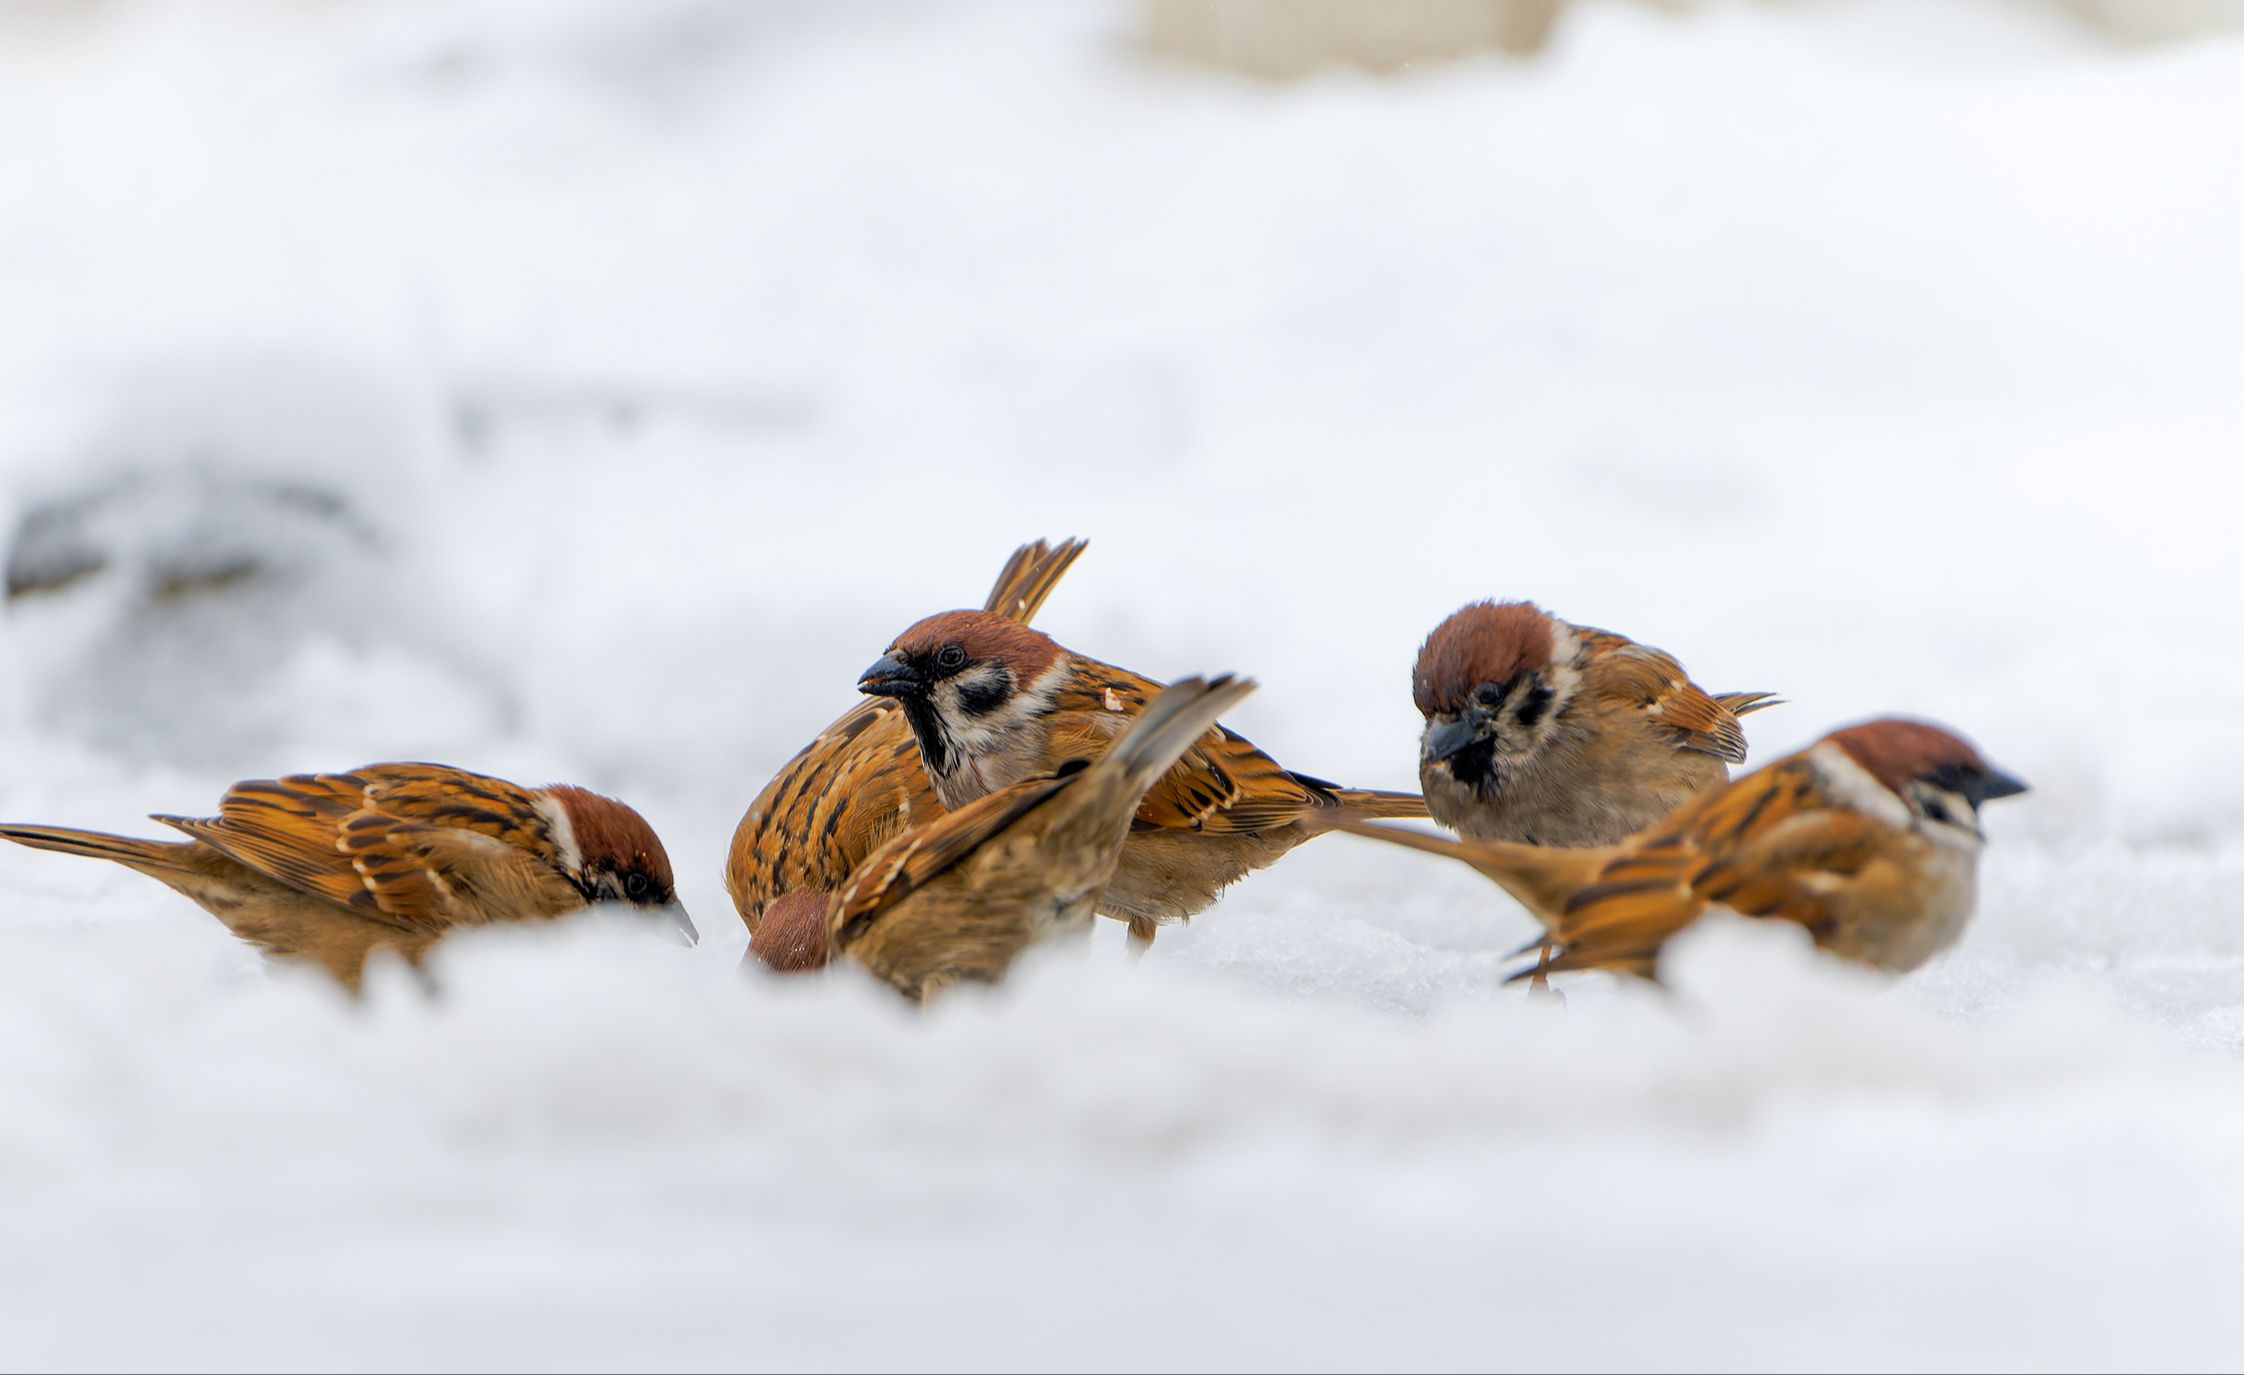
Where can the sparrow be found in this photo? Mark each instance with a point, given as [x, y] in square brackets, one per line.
[1868, 838]
[992, 702]
[326, 868]
[860, 782]
[1548, 733]
[962, 896]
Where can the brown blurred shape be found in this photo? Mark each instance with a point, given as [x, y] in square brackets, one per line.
[1283, 39]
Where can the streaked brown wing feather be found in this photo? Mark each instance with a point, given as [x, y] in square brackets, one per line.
[440, 796]
[912, 860]
[440, 876]
[1771, 831]
[286, 829]
[1654, 683]
[317, 834]
[1222, 785]
[846, 793]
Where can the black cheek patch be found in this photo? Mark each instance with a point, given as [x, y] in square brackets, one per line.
[1533, 705]
[983, 697]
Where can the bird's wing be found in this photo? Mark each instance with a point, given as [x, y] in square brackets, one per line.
[1222, 785]
[840, 798]
[319, 834]
[1766, 846]
[1653, 683]
[438, 795]
[914, 859]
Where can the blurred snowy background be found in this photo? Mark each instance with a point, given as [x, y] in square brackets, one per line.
[587, 391]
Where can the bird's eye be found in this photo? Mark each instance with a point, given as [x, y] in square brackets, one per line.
[952, 657]
[1488, 694]
[635, 887]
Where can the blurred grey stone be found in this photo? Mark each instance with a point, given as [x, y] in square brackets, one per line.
[192, 531]
[233, 558]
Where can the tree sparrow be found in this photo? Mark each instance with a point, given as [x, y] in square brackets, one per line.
[860, 782]
[1869, 838]
[960, 897]
[992, 702]
[1548, 733]
[327, 868]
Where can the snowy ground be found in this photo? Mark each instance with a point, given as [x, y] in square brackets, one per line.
[1885, 354]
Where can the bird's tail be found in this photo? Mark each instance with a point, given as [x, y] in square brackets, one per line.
[1539, 876]
[154, 857]
[1029, 577]
[1739, 703]
[1371, 804]
[1170, 724]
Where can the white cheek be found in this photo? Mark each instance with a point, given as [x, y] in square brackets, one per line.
[974, 732]
[564, 833]
[1961, 833]
[1853, 786]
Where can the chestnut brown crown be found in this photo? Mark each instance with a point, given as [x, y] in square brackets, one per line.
[944, 646]
[1487, 642]
[979, 635]
[1898, 753]
[620, 855]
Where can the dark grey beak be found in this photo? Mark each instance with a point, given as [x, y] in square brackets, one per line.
[682, 924]
[1995, 783]
[891, 677]
[1445, 738]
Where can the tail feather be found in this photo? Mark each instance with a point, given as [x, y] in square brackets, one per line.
[1029, 577]
[1371, 804]
[1739, 703]
[145, 855]
[1538, 876]
[1171, 724]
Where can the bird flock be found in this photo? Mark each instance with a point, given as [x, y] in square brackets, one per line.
[994, 789]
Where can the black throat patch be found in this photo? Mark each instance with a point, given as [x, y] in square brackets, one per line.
[1475, 765]
[927, 727]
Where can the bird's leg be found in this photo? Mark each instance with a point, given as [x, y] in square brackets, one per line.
[1540, 985]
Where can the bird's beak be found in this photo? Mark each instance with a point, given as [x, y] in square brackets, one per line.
[682, 924]
[1445, 738]
[890, 677]
[1996, 783]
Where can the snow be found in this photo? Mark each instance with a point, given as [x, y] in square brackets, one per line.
[1880, 354]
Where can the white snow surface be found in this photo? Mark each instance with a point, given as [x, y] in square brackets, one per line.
[1885, 354]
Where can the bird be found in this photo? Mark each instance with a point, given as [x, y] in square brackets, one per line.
[960, 897]
[326, 868]
[992, 702]
[860, 782]
[1548, 733]
[1869, 839]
